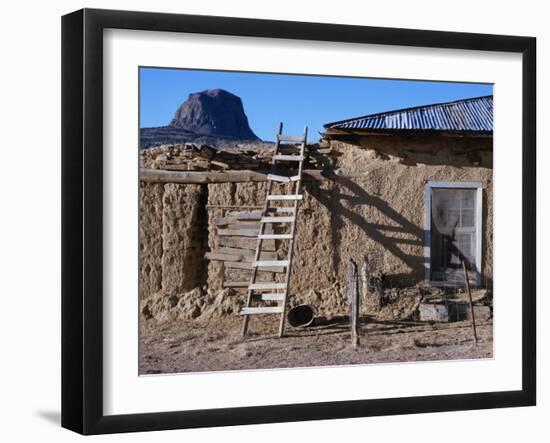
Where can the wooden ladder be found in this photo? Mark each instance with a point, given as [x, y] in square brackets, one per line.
[279, 215]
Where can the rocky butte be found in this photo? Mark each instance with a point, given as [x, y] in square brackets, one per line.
[208, 116]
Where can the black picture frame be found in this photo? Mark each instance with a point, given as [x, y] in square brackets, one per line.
[82, 215]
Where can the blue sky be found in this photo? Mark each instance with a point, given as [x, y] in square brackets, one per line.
[296, 100]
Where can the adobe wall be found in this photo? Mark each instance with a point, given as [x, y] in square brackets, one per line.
[383, 206]
[375, 201]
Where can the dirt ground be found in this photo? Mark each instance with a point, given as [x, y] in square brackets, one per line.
[199, 346]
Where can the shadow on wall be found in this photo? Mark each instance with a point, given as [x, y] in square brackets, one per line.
[358, 198]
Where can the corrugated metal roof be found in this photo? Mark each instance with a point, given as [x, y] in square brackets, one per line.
[473, 114]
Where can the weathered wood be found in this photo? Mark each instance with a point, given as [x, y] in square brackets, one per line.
[222, 221]
[290, 138]
[278, 219]
[222, 257]
[233, 221]
[245, 243]
[237, 225]
[278, 178]
[267, 285]
[296, 192]
[353, 293]
[219, 163]
[245, 215]
[467, 280]
[228, 176]
[262, 310]
[254, 286]
[246, 254]
[289, 158]
[235, 216]
[238, 232]
[235, 284]
[269, 263]
[284, 197]
[233, 207]
[275, 236]
[200, 177]
[248, 265]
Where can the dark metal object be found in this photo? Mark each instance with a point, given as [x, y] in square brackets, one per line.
[300, 316]
[467, 280]
[354, 302]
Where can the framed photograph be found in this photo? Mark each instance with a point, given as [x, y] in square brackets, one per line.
[269, 221]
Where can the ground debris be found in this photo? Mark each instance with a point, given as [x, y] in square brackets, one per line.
[164, 307]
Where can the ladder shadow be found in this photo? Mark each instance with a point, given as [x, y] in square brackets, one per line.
[355, 196]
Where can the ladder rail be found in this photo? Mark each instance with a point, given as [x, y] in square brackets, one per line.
[260, 234]
[249, 309]
[292, 235]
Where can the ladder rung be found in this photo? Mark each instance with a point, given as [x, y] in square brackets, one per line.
[282, 178]
[285, 197]
[262, 310]
[236, 284]
[278, 178]
[277, 219]
[290, 138]
[272, 296]
[289, 158]
[263, 263]
[267, 285]
[275, 236]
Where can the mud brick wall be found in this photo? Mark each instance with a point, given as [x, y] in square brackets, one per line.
[184, 228]
[382, 207]
[173, 236]
[150, 238]
[374, 201]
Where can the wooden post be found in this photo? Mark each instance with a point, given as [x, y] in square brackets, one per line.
[470, 298]
[353, 292]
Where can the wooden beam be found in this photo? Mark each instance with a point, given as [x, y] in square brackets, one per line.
[238, 232]
[245, 243]
[248, 266]
[200, 177]
[206, 177]
[236, 284]
[245, 254]
[235, 254]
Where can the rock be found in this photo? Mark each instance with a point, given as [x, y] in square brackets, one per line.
[433, 312]
[213, 112]
[453, 311]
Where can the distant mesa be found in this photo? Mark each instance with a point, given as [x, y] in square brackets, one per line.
[206, 116]
[214, 112]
